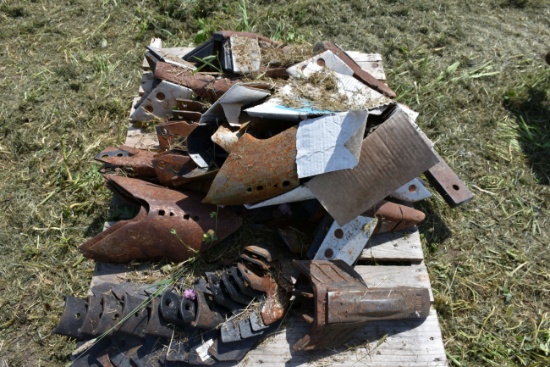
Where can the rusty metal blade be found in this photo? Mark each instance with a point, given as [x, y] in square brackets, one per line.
[256, 170]
[170, 225]
[134, 162]
[173, 135]
[448, 184]
[206, 86]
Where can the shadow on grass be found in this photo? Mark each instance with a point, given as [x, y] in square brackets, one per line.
[433, 228]
[531, 110]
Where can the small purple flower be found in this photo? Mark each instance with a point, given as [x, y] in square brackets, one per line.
[189, 294]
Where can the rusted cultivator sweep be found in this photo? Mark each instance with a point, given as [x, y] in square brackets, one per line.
[254, 137]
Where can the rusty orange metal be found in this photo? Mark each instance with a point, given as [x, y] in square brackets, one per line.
[273, 308]
[173, 135]
[170, 224]
[256, 170]
[176, 170]
[204, 85]
[132, 161]
[343, 304]
[394, 217]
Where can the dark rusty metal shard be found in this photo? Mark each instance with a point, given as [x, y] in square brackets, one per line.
[273, 307]
[448, 184]
[134, 162]
[343, 303]
[175, 169]
[170, 225]
[394, 217]
[256, 170]
[204, 85]
[358, 73]
[74, 313]
[173, 135]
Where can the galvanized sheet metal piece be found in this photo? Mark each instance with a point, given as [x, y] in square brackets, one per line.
[391, 156]
[206, 86]
[173, 135]
[412, 191]
[228, 107]
[245, 54]
[330, 143]
[170, 224]
[346, 242]
[448, 184]
[250, 175]
[343, 303]
[325, 59]
[358, 73]
[134, 162]
[158, 104]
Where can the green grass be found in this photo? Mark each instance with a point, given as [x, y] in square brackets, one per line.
[474, 70]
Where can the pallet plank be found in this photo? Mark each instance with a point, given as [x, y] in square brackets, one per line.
[394, 246]
[381, 344]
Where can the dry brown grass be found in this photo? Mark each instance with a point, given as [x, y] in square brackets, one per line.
[70, 69]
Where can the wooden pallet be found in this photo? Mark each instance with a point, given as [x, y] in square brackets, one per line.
[394, 259]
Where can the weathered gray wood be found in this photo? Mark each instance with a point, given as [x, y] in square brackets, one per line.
[380, 344]
[383, 276]
[371, 63]
[394, 246]
[139, 138]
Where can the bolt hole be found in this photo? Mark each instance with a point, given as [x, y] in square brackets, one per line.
[321, 62]
[329, 253]
[259, 188]
[286, 183]
[412, 188]
[338, 233]
[162, 212]
[148, 108]
[161, 96]
[456, 187]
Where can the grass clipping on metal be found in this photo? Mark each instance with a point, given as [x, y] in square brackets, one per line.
[475, 72]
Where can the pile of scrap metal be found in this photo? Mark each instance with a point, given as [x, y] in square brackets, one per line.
[244, 121]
